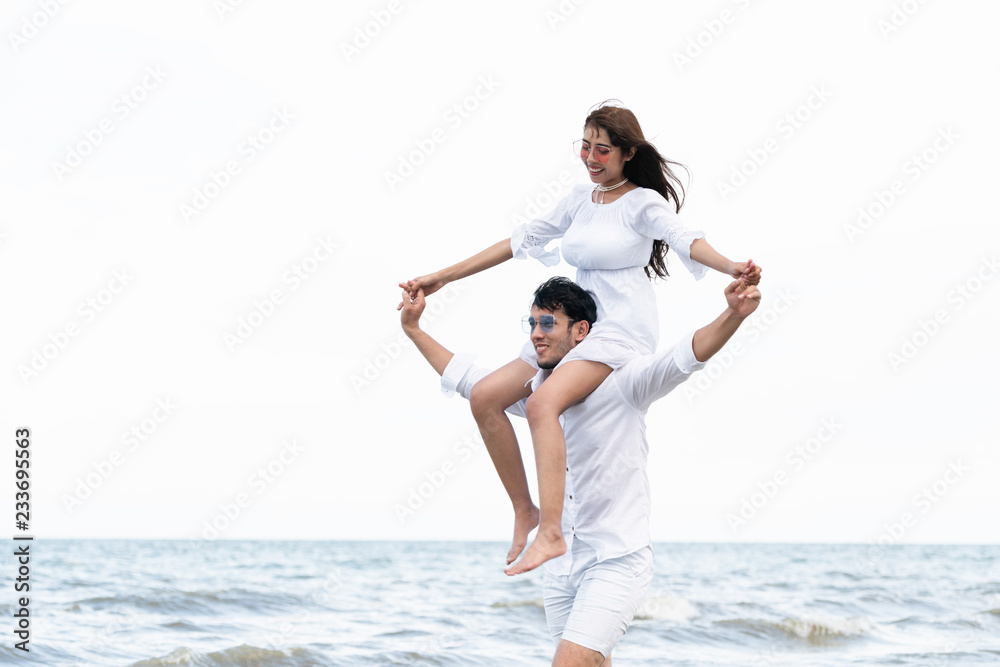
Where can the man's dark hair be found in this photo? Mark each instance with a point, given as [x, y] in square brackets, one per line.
[559, 292]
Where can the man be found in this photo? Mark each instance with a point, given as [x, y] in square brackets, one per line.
[593, 590]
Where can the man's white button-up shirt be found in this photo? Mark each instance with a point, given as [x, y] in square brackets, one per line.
[607, 503]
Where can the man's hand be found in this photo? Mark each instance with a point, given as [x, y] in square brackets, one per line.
[742, 298]
[430, 283]
[747, 270]
[412, 310]
[435, 353]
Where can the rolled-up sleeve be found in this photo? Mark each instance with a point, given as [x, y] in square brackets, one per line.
[684, 357]
[460, 375]
[651, 377]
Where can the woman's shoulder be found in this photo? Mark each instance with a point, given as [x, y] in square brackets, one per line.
[647, 195]
[642, 198]
[648, 204]
[578, 195]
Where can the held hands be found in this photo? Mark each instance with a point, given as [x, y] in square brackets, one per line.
[412, 309]
[746, 270]
[429, 284]
[742, 298]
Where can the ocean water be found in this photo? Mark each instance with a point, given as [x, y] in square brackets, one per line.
[147, 603]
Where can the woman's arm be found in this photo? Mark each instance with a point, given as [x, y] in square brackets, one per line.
[657, 220]
[703, 253]
[497, 253]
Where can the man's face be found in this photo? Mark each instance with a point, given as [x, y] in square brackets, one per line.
[552, 346]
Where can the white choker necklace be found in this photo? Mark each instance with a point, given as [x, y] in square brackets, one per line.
[601, 188]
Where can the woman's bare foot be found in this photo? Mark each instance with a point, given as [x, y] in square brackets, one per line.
[524, 523]
[548, 544]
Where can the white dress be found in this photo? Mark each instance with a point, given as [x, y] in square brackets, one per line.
[610, 244]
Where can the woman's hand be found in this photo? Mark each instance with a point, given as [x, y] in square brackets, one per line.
[747, 270]
[430, 283]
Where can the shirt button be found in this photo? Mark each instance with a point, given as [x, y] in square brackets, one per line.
[567, 469]
[571, 497]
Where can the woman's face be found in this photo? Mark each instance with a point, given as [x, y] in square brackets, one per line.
[598, 142]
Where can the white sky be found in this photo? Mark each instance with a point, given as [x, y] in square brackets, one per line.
[837, 303]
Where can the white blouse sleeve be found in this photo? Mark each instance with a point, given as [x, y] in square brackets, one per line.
[529, 239]
[657, 219]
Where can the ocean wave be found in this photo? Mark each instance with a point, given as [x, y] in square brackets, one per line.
[538, 602]
[409, 658]
[812, 630]
[405, 633]
[238, 656]
[908, 620]
[667, 607]
[190, 602]
[183, 626]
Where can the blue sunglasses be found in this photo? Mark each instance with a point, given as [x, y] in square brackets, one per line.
[546, 322]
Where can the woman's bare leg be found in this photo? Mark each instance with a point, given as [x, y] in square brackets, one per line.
[490, 397]
[567, 386]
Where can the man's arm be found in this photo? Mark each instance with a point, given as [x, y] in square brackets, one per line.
[434, 352]
[650, 378]
[741, 300]
[459, 372]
